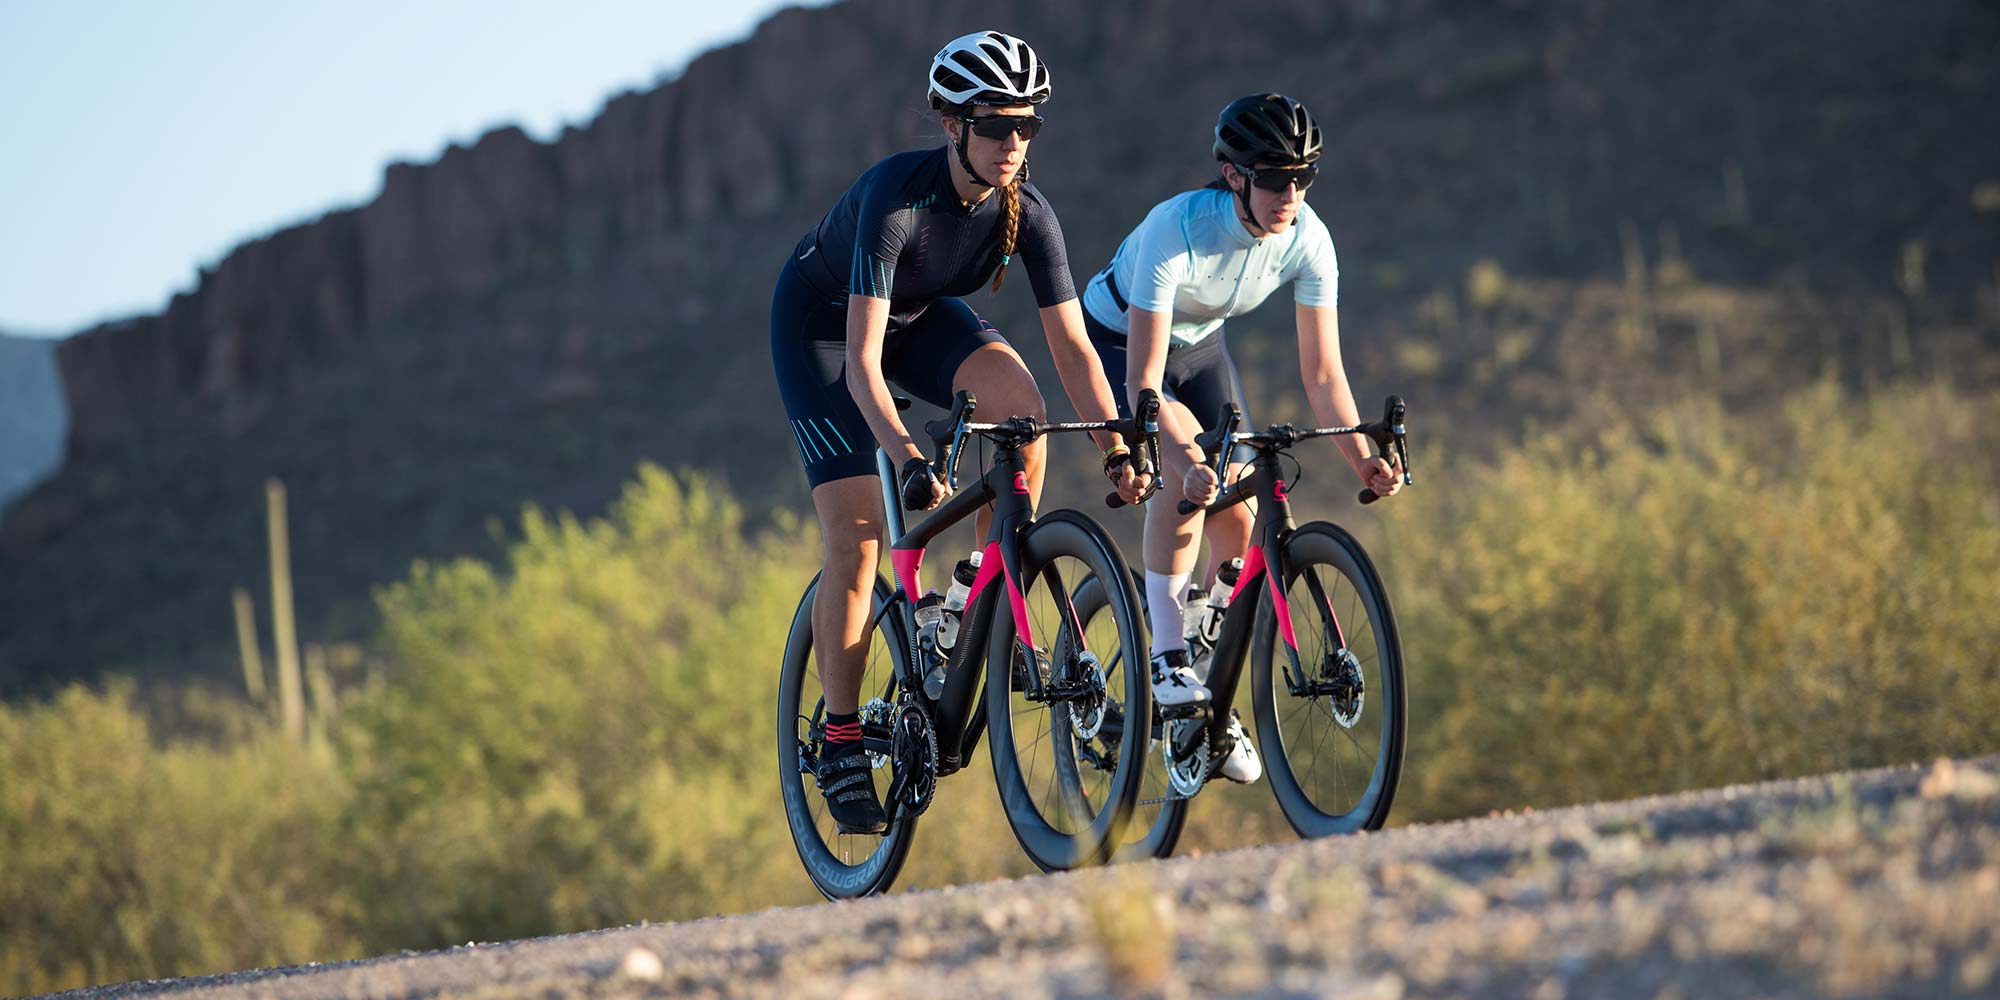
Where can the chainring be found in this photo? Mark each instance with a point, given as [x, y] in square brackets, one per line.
[1185, 775]
[915, 748]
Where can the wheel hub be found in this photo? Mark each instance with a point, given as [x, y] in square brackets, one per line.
[1086, 712]
[1346, 686]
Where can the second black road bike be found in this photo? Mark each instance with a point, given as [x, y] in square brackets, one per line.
[1309, 610]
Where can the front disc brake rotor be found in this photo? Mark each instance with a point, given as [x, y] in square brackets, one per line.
[1350, 690]
[1086, 714]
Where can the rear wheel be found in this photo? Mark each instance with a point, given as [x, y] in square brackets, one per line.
[1159, 814]
[1331, 723]
[1058, 697]
[841, 865]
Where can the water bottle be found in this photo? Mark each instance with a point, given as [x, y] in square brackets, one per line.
[962, 576]
[944, 621]
[1194, 614]
[1225, 584]
[930, 619]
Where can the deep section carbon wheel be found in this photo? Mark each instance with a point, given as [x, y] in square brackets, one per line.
[1331, 723]
[1059, 697]
[842, 866]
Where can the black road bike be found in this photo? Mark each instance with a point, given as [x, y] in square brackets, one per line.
[1328, 687]
[1054, 700]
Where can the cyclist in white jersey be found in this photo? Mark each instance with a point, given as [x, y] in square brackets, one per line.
[1155, 315]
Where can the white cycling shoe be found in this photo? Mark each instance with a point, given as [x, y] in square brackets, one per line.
[1242, 766]
[1174, 685]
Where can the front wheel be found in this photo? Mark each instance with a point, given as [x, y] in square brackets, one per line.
[1332, 719]
[1061, 695]
[841, 865]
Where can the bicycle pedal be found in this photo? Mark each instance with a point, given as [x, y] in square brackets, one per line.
[1178, 712]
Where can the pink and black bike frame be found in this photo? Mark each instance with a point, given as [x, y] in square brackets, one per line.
[960, 712]
[1262, 578]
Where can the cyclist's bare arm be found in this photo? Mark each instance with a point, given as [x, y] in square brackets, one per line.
[1077, 366]
[867, 326]
[1083, 380]
[1146, 368]
[1332, 399]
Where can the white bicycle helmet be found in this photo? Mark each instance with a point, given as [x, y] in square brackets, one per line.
[987, 67]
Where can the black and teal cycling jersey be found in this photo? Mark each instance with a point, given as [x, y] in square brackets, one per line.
[899, 233]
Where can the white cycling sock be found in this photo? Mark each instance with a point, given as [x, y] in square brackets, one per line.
[1165, 596]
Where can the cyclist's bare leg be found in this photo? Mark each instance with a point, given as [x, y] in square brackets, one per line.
[1228, 530]
[1173, 538]
[850, 523]
[1005, 389]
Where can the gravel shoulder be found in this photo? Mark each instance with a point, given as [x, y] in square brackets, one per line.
[1872, 883]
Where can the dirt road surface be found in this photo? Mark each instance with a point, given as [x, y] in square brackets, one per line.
[1874, 883]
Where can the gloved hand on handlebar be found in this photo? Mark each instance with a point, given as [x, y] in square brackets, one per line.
[1122, 468]
[920, 487]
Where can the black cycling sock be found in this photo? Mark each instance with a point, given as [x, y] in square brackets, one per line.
[843, 734]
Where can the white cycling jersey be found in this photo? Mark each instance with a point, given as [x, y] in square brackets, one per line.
[1192, 256]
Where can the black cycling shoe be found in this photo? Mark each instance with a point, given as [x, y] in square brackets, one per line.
[848, 782]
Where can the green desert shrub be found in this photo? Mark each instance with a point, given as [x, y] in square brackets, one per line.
[123, 857]
[1702, 598]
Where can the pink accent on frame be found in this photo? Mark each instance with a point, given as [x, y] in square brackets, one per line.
[907, 563]
[1021, 628]
[1021, 483]
[1278, 491]
[1253, 567]
[1253, 564]
[1284, 612]
[989, 567]
[1082, 641]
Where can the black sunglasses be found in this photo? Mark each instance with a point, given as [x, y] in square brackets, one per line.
[1280, 178]
[1000, 126]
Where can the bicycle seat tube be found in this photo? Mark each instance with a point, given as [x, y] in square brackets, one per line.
[1005, 485]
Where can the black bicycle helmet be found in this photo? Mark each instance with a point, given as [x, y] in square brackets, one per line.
[1266, 128]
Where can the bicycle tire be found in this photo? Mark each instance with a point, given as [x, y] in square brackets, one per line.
[1157, 817]
[834, 861]
[1079, 817]
[1294, 730]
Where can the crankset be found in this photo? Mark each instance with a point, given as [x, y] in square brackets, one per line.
[1185, 775]
[913, 745]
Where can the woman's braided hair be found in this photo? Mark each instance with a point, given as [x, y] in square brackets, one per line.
[1010, 227]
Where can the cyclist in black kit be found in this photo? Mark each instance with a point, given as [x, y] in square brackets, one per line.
[870, 295]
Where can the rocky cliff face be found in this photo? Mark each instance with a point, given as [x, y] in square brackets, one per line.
[523, 321]
[1671, 113]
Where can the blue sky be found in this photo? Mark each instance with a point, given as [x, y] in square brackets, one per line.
[141, 140]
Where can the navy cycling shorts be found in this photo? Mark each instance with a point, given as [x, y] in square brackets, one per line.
[809, 351]
[1199, 376]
